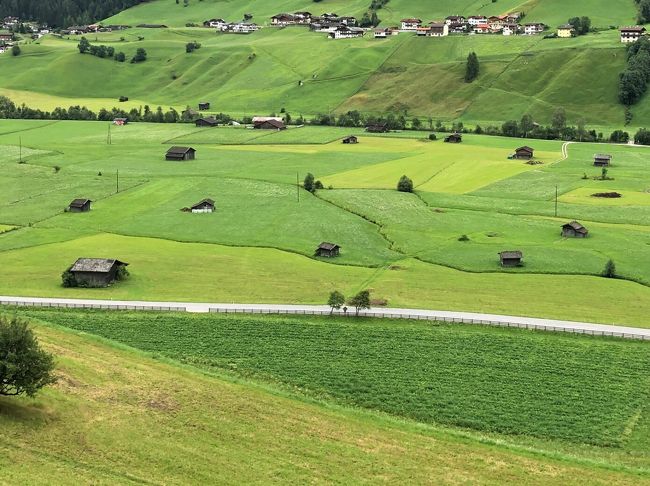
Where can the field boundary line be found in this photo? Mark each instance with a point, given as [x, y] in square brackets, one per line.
[450, 317]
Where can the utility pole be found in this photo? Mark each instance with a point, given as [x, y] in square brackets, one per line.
[117, 181]
[556, 201]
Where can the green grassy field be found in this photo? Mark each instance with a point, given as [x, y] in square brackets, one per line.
[260, 73]
[119, 416]
[404, 246]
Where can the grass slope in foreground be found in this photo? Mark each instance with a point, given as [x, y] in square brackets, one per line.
[117, 416]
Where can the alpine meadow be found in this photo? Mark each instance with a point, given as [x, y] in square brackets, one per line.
[325, 241]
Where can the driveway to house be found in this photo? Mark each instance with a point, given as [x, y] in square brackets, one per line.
[420, 314]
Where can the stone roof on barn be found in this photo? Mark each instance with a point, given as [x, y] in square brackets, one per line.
[603, 157]
[576, 226]
[95, 265]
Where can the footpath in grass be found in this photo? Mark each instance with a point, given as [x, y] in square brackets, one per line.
[498, 381]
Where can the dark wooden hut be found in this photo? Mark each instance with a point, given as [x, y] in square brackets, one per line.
[204, 105]
[180, 153]
[351, 139]
[96, 272]
[524, 153]
[269, 125]
[574, 230]
[602, 160]
[206, 122]
[79, 206]
[454, 138]
[205, 206]
[511, 258]
[328, 250]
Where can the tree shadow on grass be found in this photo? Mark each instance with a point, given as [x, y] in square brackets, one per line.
[23, 410]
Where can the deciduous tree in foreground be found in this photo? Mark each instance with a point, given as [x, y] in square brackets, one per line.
[336, 301]
[25, 368]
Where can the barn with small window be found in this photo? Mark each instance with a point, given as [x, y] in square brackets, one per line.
[96, 272]
[602, 160]
[79, 206]
[524, 153]
[511, 258]
[574, 230]
[204, 206]
[180, 153]
[454, 138]
[328, 250]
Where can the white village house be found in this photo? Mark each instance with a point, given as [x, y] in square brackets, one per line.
[411, 24]
[631, 34]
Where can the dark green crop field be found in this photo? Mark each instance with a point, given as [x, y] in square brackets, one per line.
[548, 386]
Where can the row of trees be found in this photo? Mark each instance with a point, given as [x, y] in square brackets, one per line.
[633, 82]
[644, 11]
[581, 25]
[360, 301]
[370, 18]
[85, 47]
[64, 13]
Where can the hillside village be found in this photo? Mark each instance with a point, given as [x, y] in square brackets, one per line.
[335, 26]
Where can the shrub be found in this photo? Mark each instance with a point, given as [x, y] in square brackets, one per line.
[432, 136]
[15, 51]
[308, 183]
[405, 184]
[463, 238]
[68, 280]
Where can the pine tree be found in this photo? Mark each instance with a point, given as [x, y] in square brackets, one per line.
[472, 70]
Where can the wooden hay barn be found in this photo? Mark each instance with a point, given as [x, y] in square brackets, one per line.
[574, 230]
[454, 138]
[328, 250]
[204, 106]
[602, 160]
[79, 206]
[205, 206]
[524, 153]
[377, 128]
[206, 122]
[269, 125]
[511, 258]
[96, 272]
[180, 153]
[351, 139]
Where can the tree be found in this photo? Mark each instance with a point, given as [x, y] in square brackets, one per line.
[405, 184]
[308, 183]
[472, 68]
[619, 136]
[24, 367]
[140, 55]
[120, 57]
[83, 46]
[335, 301]
[526, 124]
[644, 11]
[558, 123]
[631, 86]
[15, 50]
[510, 128]
[360, 301]
[610, 269]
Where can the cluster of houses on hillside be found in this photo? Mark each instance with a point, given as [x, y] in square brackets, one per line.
[475, 24]
[231, 27]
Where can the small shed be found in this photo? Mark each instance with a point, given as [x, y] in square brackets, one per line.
[351, 139]
[511, 258]
[574, 230]
[204, 105]
[204, 206]
[180, 153]
[120, 121]
[79, 206]
[377, 128]
[206, 122]
[328, 250]
[602, 160]
[524, 153]
[96, 272]
[454, 138]
[269, 125]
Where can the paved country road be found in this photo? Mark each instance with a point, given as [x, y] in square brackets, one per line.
[434, 315]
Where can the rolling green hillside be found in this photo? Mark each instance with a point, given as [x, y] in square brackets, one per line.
[261, 73]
